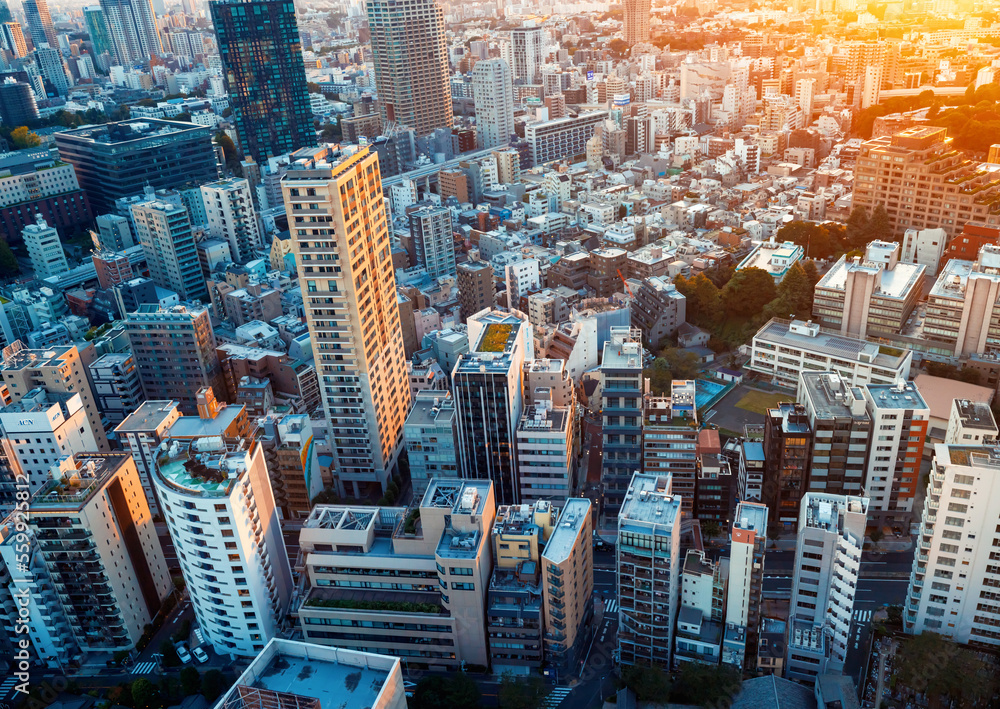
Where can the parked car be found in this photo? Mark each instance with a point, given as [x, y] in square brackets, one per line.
[182, 653]
[200, 655]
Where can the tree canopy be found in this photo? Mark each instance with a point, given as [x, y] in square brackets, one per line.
[746, 294]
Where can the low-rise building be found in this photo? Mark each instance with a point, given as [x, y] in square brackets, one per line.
[774, 258]
[658, 309]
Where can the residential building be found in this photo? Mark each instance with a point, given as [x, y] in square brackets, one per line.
[568, 585]
[13, 41]
[431, 436]
[621, 374]
[788, 440]
[774, 258]
[164, 230]
[97, 27]
[411, 63]
[261, 52]
[670, 440]
[174, 350]
[33, 183]
[290, 452]
[962, 304]
[117, 160]
[301, 674]
[97, 576]
[966, 245]
[747, 546]
[700, 628]
[116, 385]
[636, 21]
[56, 370]
[658, 309]
[527, 54]
[433, 241]
[872, 297]
[112, 267]
[971, 423]
[487, 383]
[561, 138]
[140, 435]
[114, 232]
[782, 349]
[43, 32]
[131, 25]
[475, 287]
[900, 422]
[231, 216]
[217, 501]
[45, 251]
[521, 277]
[361, 369]
[825, 578]
[410, 582]
[841, 431]
[648, 563]
[493, 96]
[926, 247]
[545, 449]
[921, 159]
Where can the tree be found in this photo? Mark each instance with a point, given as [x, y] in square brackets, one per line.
[169, 652]
[229, 150]
[650, 684]
[313, 87]
[705, 685]
[145, 694]
[619, 46]
[190, 681]
[812, 273]
[703, 304]
[520, 692]
[857, 227]
[711, 529]
[23, 138]
[747, 293]
[462, 692]
[8, 263]
[795, 292]
[212, 685]
[878, 225]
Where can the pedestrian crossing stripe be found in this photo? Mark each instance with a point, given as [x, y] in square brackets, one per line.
[862, 616]
[143, 668]
[610, 606]
[556, 697]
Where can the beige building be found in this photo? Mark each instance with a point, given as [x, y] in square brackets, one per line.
[962, 310]
[57, 369]
[341, 242]
[636, 21]
[410, 582]
[141, 434]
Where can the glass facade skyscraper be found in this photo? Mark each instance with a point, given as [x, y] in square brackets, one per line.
[264, 74]
[97, 28]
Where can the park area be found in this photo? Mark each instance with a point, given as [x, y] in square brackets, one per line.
[758, 402]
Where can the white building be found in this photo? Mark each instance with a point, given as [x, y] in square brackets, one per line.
[971, 423]
[521, 277]
[141, 434]
[924, 247]
[545, 451]
[748, 542]
[774, 258]
[44, 249]
[219, 507]
[827, 562]
[231, 216]
[493, 94]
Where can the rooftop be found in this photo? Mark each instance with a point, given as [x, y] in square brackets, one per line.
[430, 408]
[751, 516]
[76, 480]
[205, 466]
[896, 282]
[648, 502]
[902, 395]
[573, 519]
[975, 414]
[17, 356]
[825, 511]
[811, 338]
[544, 419]
[829, 396]
[197, 427]
[148, 417]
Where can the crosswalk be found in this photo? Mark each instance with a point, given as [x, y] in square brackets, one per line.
[6, 687]
[143, 668]
[555, 697]
[610, 607]
[862, 616]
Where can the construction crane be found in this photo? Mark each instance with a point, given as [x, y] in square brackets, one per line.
[625, 283]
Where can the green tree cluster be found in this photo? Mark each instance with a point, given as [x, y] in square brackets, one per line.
[932, 665]
[673, 363]
[457, 690]
[520, 692]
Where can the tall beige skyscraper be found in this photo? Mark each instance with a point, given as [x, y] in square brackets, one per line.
[411, 63]
[341, 243]
[637, 21]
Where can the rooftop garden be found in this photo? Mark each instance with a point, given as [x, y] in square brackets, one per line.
[392, 606]
[495, 338]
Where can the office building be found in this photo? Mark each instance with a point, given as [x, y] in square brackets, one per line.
[493, 97]
[116, 385]
[900, 421]
[362, 370]
[431, 436]
[648, 563]
[132, 29]
[50, 63]
[289, 673]
[954, 581]
[411, 63]
[43, 33]
[17, 98]
[37, 432]
[33, 183]
[44, 249]
[622, 408]
[831, 532]
[781, 350]
[487, 383]
[163, 228]
[98, 576]
[114, 232]
[13, 40]
[961, 307]
[787, 450]
[870, 297]
[174, 350]
[921, 159]
[636, 21]
[527, 54]
[561, 138]
[231, 217]
[475, 287]
[568, 585]
[841, 428]
[748, 544]
[140, 435]
[546, 449]
[56, 370]
[433, 240]
[117, 160]
[670, 440]
[410, 582]
[264, 75]
[971, 423]
[217, 501]
[97, 28]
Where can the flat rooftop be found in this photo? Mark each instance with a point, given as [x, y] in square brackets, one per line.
[751, 516]
[903, 395]
[25, 358]
[544, 419]
[622, 355]
[74, 488]
[897, 282]
[831, 397]
[204, 466]
[827, 343]
[197, 427]
[148, 416]
[131, 130]
[573, 518]
[647, 501]
[431, 408]
[975, 414]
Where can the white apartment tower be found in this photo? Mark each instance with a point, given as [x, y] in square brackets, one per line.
[340, 238]
[231, 217]
[493, 95]
[44, 249]
[746, 581]
[526, 54]
[827, 562]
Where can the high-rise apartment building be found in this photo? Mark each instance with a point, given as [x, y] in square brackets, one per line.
[44, 249]
[411, 63]
[970, 423]
[409, 582]
[787, 448]
[264, 75]
[96, 576]
[648, 562]
[433, 240]
[231, 217]
[568, 584]
[545, 448]
[493, 97]
[174, 350]
[831, 532]
[527, 54]
[13, 40]
[636, 21]
[116, 385]
[748, 543]
[962, 306]
[948, 190]
[431, 435]
[289, 442]
[140, 435]
[132, 27]
[50, 63]
[955, 579]
[900, 420]
[217, 501]
[341, 244]
[487, 383]
[43, 32]
[621, 406]
[670, 439]
[475, 287]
